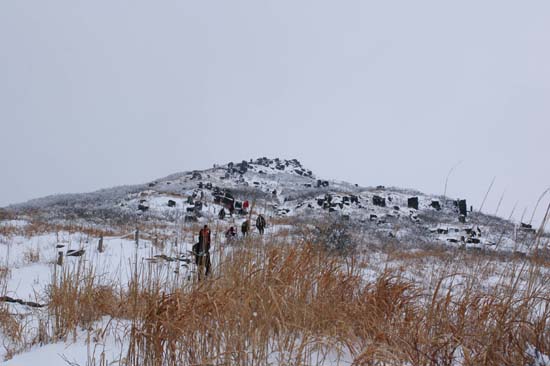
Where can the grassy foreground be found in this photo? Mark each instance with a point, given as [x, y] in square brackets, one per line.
[302, 305]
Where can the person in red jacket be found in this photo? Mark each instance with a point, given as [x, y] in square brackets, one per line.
[202, 254]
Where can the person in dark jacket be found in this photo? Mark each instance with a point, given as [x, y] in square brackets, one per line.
[230, 234]
[221, 214]
[245, 227]
[202, 253]
[260, 224]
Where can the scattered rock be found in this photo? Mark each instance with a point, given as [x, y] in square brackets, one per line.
[413, 203]
[462, 208]
[75, 253]
[322, 183]
[379, 201]
[191, 218]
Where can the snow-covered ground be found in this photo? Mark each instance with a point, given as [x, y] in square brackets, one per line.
[170, 211]
[29, 280]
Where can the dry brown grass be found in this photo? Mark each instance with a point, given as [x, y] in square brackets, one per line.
[38, 227]
[77, 298]
[294, 305]
[301, 305]
[12, 328]
[8, 231]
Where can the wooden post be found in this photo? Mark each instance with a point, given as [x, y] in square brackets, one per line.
[100, 244]
[59, 258]
[137, 237]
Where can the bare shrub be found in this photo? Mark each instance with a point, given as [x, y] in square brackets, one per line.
[32, 255]
[335, 234]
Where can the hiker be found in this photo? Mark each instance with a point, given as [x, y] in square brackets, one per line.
[221, 215]
[260, 224]
[231, 233]
[202, 252]
[244, 228]
[245, 205]
[231, 208]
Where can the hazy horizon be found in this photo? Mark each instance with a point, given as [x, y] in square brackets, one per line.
[95, 95]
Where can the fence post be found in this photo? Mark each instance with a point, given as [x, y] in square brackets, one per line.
[100, 244]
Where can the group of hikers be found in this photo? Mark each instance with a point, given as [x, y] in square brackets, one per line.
[231, 207]
[201, 250]
[231, 233]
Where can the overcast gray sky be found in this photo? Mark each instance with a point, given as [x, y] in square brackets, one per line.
[100, 93]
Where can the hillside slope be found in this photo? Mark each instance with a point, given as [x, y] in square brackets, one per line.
[284, 189]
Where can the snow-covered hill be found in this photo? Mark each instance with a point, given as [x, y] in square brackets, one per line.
[117, 238]
[283, 189]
